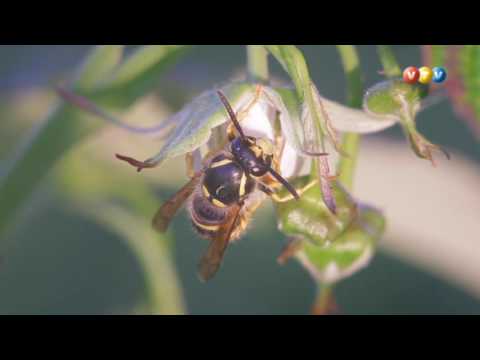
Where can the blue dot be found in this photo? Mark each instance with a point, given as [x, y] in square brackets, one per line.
[439, 74]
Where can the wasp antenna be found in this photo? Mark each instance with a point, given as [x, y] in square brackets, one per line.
[232, 115]
[285, 183]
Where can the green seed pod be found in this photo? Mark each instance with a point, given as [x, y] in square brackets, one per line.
[397, 99]
[330, 247]
[349, 252]
[390, 98]
[310, 217]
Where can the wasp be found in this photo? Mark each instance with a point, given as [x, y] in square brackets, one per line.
[232, 183]
[222, 197]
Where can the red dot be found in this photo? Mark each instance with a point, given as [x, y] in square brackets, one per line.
[411, 75]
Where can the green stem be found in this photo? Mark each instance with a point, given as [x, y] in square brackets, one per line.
[125, 204]
[389, 62]
[257, 63]
[164, 295]
[325, 302]
[351, 141]
[350, 144]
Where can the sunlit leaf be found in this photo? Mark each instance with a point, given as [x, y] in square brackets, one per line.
[195, 121]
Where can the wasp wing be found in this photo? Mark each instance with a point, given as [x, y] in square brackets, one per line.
[212, 259]
[167, 211]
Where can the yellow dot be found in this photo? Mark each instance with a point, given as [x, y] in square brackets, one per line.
[425, 75]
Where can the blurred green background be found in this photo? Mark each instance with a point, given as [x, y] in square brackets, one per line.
[56, 261]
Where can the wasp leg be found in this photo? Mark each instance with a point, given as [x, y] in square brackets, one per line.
[189, 161]
[289, 197]
[265, 189]
[279, 140]
[289, 250]
[332, 178]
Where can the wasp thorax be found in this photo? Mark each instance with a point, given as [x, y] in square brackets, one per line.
[251, 156]
[225, 181]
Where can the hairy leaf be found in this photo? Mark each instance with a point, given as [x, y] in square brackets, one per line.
[195, 121]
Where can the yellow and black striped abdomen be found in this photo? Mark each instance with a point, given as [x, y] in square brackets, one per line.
[206, 217]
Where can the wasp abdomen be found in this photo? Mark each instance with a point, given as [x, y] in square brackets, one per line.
[207, 213]
[206, 217]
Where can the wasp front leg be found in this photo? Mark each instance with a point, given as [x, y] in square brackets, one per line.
[289, 250]
[189, 164]
[279, 199]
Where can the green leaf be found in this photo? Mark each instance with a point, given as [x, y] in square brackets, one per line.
[463, 83]
[353, 76]
[194, 123]
[139, 73]
[99, 65]
[196, 120]
[61, 129]
[294, 64]
[389, 62]
[434, 55]
[257, 63]
[350, 141]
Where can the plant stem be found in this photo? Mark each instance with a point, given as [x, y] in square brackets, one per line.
[351, 141]
[389, 62]
[257, 63]
[124, 205]
[164, 294]
[325, 302]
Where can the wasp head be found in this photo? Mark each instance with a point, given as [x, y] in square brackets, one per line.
[254, 155]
